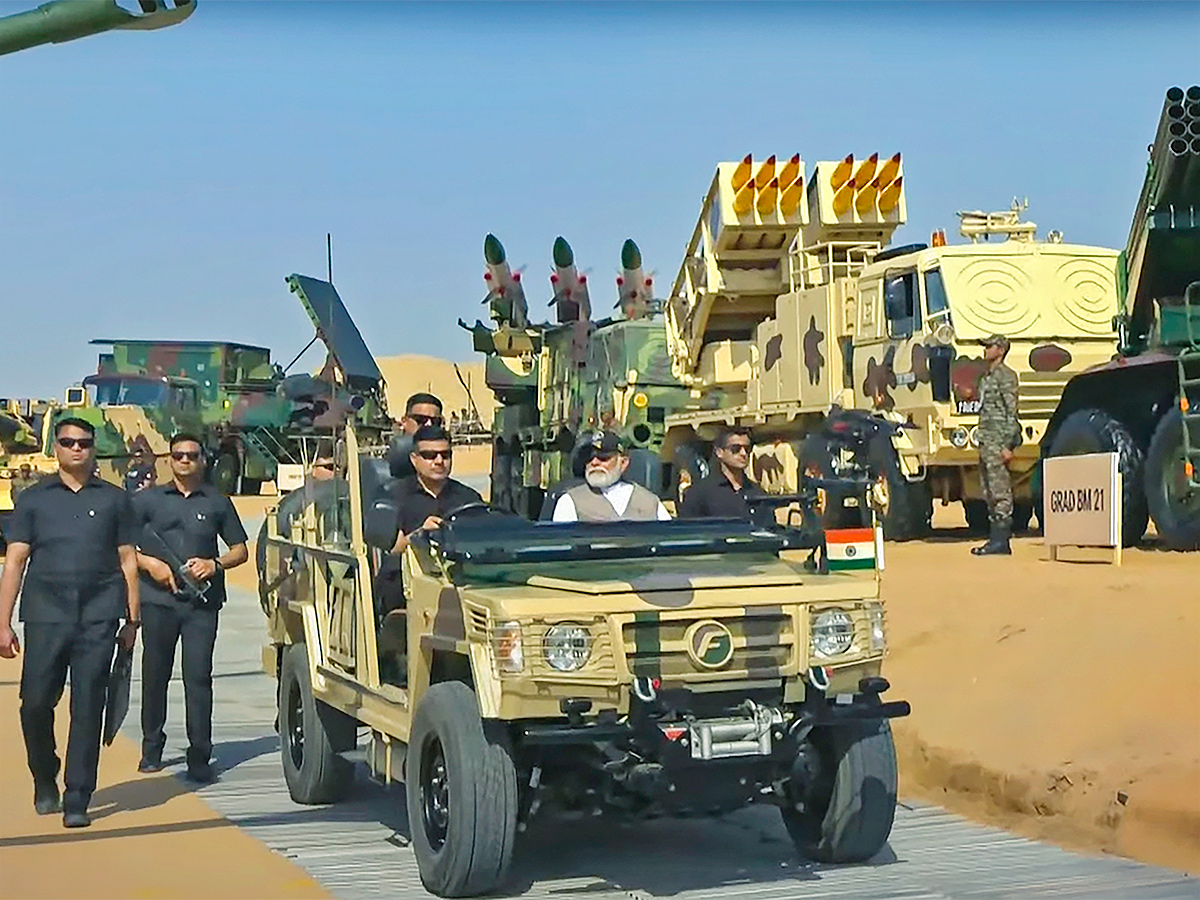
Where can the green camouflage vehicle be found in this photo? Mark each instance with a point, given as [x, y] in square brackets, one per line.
[1144, 404]
[555, 381]
[249, 414]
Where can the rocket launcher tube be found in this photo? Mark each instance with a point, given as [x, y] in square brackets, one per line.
[843, 197]
[767, 197]
[743, 200]
[890, 196]
[888, 171]
[742, 173]
[789, 200]
[633, 287]
[789, 171]
[766, 172]
[842, 172]
[866, 171]
[864, 201]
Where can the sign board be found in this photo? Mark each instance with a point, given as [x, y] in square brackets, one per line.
[290, 477]
[1081, 496]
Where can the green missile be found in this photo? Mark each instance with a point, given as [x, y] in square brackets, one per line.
[493, 250]
[68, 20]
[631, 256]
[563, 255]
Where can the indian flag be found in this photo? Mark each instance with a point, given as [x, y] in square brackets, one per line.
[850, 548]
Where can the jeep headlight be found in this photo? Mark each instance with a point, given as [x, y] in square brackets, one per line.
[506, 647]
[832, 632]
[567, 646]
[878, 633]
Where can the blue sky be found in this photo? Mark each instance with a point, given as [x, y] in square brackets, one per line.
[162, 184]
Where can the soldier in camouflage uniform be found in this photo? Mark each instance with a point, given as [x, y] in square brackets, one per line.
[999, 436]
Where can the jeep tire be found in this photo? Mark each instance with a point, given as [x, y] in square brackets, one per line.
[849, 810]
[909, 513]
[1174, 506]
[461, 794]
[311, 735]
[1095, 431]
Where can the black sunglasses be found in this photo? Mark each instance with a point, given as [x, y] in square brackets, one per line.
[434, 454]
[322, 465]
[737, 448]
[181, 455]
[603, 455]
[81, 443]
[427, 420]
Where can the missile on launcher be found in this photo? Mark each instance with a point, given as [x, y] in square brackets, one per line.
[506, 296]
[570, 286]
[635, 289]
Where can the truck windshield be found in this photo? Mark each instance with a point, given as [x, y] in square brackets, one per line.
[935, 292]
[501, 538]
[119, 392]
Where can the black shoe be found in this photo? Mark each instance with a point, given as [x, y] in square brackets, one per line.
[46, 799]
[150, 765]
[997, 544]
[201, 773]
[76, 818]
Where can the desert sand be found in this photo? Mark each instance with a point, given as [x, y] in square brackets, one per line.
[408, 374]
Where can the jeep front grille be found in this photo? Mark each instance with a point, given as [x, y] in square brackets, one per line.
[656, 644]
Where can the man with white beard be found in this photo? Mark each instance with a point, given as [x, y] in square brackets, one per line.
[606, 496]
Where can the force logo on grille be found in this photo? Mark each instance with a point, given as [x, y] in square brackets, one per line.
[709, 644]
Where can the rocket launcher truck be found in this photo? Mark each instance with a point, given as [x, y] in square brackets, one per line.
[1144, 403]
[789, 304]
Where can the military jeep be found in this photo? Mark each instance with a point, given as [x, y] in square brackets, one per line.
[681, 668]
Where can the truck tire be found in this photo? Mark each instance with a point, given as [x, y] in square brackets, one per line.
[461, 795]
[1095, 431]
[311, 735]
[816, 461]
[849, 810]
[1174, 506]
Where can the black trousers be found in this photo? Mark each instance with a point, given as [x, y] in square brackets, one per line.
[162, 628]
[51, 650]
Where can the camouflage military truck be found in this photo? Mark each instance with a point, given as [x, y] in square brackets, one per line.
[250, 415]
[681, 668]
[1144, 403]
[787, 304]
[553, 381]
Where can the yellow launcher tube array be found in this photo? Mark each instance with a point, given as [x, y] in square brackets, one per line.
[842, 173]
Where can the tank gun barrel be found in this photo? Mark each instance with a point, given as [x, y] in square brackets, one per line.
[68, 20]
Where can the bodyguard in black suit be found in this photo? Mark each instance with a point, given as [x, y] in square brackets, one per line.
[72, 537]
[188, 515]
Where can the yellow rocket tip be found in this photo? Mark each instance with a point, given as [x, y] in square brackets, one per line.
[744, 198]
[741, 173]
[890, 197]
[766, 198]
[841, 172]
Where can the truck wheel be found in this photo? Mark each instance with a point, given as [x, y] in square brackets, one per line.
[1095, 431]
[1174, 505]
[816, 461]
[311, 734]
[225, 471]
[461, 791]
[1022, 515]
[848, 811]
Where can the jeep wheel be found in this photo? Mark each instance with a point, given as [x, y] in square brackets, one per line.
[976, 512]
[1174, 504]
[845, 815]
[461, 792]
[1095, 431]
[311, 734]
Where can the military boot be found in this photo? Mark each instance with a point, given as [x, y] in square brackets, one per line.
[997, 542]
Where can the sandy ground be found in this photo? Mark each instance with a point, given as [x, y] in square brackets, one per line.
[151, 837]
[406, 375]
[1055, 699]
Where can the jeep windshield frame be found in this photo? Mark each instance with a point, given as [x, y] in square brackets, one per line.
[494, 538]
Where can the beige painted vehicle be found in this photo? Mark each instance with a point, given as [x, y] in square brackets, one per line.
[787, 303]
[688, 667]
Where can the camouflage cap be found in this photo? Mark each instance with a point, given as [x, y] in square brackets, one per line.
[606, 442]
[996, 340]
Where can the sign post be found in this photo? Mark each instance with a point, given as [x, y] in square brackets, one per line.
[1081, 499]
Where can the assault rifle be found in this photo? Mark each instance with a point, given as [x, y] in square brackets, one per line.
[189, 585]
